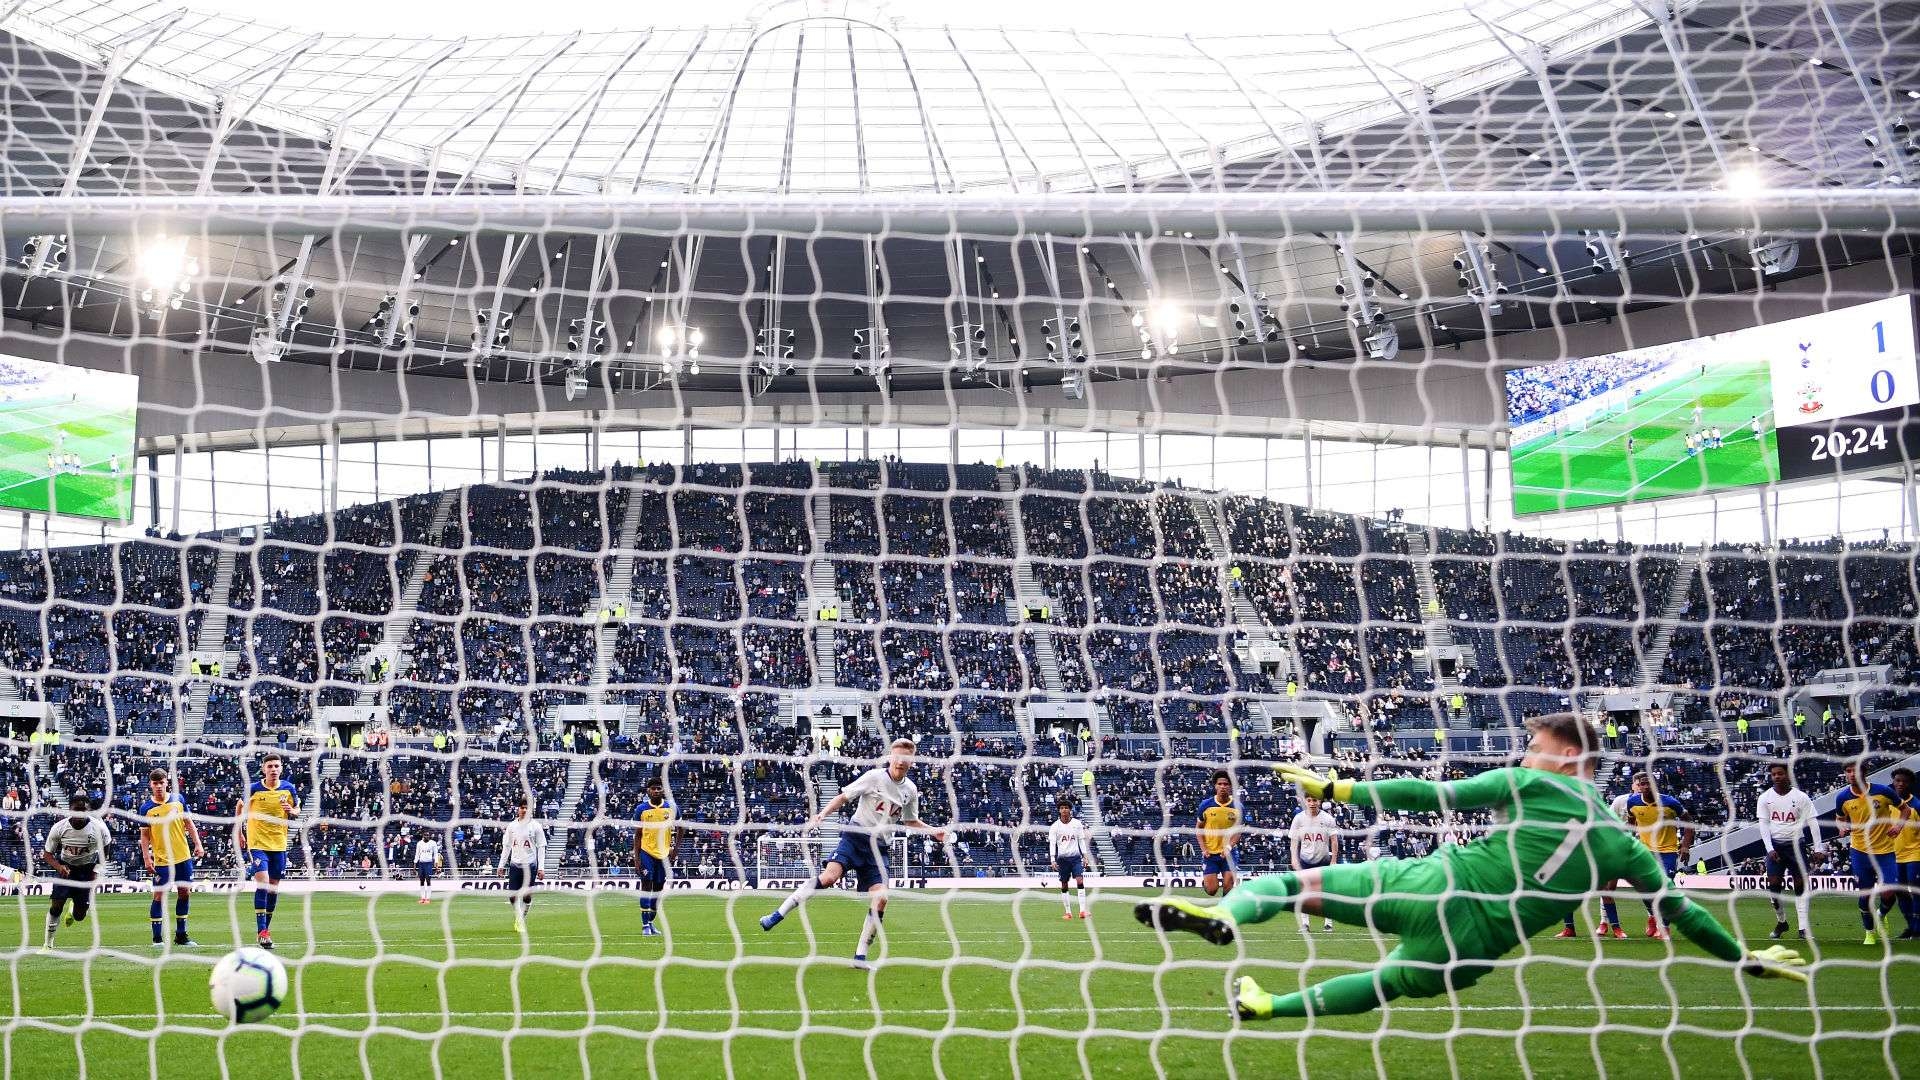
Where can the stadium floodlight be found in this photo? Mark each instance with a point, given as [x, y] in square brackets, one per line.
[774, 342]
[1778, 255]
[1074, 385]
[1607, 252]
[872, 344]
[1383, 342]
[968, 341]
[675, 340]
[1063, 339]
[493, 332]
[391, 325]
[1747, 180]
[1166, 317]
[44, 255]
[161, 262]
[1480, 280]
[265, 347]
[586, 336]
[576, 382]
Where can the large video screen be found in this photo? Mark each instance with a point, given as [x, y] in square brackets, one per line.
[67, 439]
[1714, 413]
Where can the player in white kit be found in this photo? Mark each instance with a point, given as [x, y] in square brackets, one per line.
[1314, 837]
[426, 859]
[882, 799]
[1788, 827]
[1067, 848]
[523, 851]
[75, 849]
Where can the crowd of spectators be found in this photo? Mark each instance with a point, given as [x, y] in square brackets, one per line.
[1140, 616]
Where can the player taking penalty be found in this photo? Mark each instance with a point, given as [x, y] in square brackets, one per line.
[1464, 907]
[882, 799]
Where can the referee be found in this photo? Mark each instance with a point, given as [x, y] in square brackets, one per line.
[76, 846]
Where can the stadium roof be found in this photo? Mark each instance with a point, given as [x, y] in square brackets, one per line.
[115, 98]
[809, 97]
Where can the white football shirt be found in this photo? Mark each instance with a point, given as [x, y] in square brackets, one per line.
[1784, 818]
[524, 844]
[1067, 839]
[426, 851]
[1315, 835]
[879, 802]
[85, 845]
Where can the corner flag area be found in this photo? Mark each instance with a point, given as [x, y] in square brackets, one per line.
[1592, 465]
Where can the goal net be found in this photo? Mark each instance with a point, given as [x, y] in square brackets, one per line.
[785, 862]
[572, 554]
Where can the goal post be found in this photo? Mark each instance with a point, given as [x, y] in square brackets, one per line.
[784, 862]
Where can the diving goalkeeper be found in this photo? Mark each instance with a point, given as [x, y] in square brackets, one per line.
[1462, 908]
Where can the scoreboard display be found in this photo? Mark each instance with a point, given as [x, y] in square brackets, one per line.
[1818, 396]
[1846, 391]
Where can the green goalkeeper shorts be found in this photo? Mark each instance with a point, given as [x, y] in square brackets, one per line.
[1445, 938]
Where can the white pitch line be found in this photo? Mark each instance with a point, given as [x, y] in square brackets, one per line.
[970, 1010]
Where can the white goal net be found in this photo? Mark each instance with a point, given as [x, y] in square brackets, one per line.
[571, 535]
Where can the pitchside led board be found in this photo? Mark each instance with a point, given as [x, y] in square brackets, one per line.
[1810, 397]
[67, 439]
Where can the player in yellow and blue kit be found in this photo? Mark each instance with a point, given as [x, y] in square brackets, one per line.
[264, 817]
[1871, 815]
[169, 842]
[1906, 853]
[1659, 821]
[1220, 820]
[653, 848]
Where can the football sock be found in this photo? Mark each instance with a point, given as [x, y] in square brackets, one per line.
[260, 911]
[799, 896]
[1262, 898]
[868, 929]
[181, 905]
[157, 914]
[1344, 995]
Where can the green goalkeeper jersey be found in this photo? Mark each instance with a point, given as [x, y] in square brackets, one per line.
[1554, 842]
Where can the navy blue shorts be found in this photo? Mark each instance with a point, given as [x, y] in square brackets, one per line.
[271, 863]
[166, 877]
[426, 871]
[1669, 861]
[1873, 871]
[1218, 864]
[520, 878]
[1071, 866]
[653, 873]
[861, 855]
[1307, 865]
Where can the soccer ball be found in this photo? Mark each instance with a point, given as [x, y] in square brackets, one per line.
[248, 984]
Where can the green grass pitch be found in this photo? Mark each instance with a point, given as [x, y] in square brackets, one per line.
[28, 434]
[1591, 467]
[454, 993]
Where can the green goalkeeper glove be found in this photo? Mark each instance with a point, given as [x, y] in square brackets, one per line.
[1775, 962]
[1329, 786]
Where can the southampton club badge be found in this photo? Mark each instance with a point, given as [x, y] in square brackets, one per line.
[1815, 379]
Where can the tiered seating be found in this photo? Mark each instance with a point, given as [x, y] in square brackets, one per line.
[716, 629]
